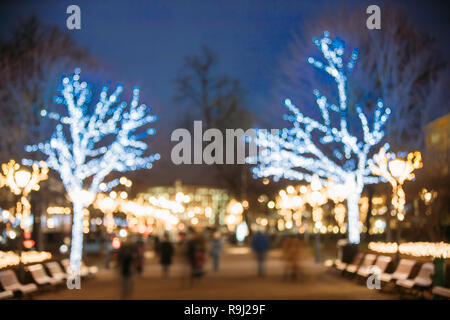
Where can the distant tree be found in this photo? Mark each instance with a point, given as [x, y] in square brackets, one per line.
[219, 101]
[399, 63]
[31, 62]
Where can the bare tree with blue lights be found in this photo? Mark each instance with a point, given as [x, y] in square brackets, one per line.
[335, 148]
[85, 158]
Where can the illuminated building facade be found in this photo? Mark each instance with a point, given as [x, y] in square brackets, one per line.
[204, 206]
[437, 145]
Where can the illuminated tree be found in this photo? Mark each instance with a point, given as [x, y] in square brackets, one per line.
[298, 153]
[86, 158]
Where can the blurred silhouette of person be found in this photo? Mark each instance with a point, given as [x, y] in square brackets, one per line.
[183, 248]
[196, 256]
[156, 245]
[140, 256]
[216, 249]
[260, 245]
[108, 252]
[166, 253]
[291, 253]
[126, 262]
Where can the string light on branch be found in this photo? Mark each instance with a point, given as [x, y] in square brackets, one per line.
[86, 157]
[296, 154]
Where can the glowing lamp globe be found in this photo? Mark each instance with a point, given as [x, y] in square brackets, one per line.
[397, 167]
[22, 178]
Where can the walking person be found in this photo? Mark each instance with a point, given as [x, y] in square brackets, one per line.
[140, 256]
[291, 253]
[260, 245]
[196, 256]
[126, 262]
[216, 250]
[166, 252]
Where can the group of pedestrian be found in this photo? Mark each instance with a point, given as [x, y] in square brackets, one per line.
[194, 249]
[291, 256]
[290, 253]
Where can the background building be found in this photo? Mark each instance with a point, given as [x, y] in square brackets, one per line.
[437, 145]
[203, 205]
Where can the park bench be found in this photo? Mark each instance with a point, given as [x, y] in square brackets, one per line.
[368, 260]
[402, 271]
[39, 276]
[9, 281]
[84, 270]
[422, 280]
[6, 294]
[356, 261]
[381, 265]
[441, 292]
[55, 270]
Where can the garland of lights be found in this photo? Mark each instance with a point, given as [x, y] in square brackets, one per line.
[295, 148]
[416, 249]
[138, 212]
[11, 259]
[85, 157]
[293, 199]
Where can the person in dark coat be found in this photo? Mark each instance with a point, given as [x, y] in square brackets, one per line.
[260, 245]
[166, 251]
[127, 256]
[196, 256]
[216, 250]
[140, 256]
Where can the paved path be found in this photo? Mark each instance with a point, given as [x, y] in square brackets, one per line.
[236, 280]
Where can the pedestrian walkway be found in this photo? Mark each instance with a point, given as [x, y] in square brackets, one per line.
[236, 279]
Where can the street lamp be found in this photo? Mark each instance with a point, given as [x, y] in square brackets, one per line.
[22, 178]
[428, 196]
[21, 182]
[234, 214]
[396, 171]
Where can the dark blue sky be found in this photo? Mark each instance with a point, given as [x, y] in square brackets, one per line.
[143, 42]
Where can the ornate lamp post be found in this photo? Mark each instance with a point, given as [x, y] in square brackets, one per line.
[396, 171]
[428, 197]
[316, 196]
[290, 205]
[21, 182]
[234, 214]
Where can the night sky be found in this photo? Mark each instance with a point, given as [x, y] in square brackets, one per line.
[144, 42]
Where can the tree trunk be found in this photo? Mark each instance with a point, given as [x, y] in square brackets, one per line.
[77, 237]
[388, 217]
[353, 217]
[369, 211]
